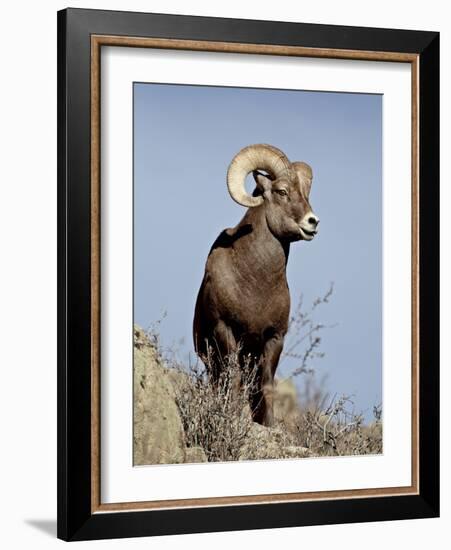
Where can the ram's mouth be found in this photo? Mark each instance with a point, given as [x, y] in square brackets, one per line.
[306, 234]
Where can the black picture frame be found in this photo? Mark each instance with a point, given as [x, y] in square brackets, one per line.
[76, 519]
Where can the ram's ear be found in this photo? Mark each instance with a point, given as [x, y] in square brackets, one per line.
[263, 182]
[305, 177]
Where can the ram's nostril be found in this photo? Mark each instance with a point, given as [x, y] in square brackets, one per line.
[313, 221]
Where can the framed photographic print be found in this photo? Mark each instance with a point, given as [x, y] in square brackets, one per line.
[248, 274]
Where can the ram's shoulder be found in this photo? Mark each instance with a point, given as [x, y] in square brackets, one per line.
[227, 238]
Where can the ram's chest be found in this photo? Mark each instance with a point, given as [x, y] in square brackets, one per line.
[257, 306]
[248, 288]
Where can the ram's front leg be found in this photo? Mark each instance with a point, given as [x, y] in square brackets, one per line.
[222, 348]
[263, 412]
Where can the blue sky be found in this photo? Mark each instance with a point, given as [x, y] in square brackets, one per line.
[184, 139]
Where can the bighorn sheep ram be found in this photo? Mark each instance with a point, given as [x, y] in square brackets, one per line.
[243, 303]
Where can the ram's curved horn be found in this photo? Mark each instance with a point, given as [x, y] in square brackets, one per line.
[305, 176]
[255, 157]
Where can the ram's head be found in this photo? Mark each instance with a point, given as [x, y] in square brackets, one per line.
[282, 189]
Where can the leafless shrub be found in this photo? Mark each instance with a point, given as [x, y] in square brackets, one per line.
[325, 425]
[152, 333]
[216, 414]
[331, 427]
[303, 338]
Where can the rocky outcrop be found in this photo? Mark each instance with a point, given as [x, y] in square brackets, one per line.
[157, 428]
[195, 454]
[270, 443]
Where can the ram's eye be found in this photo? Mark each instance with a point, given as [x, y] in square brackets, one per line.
[282, 192]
